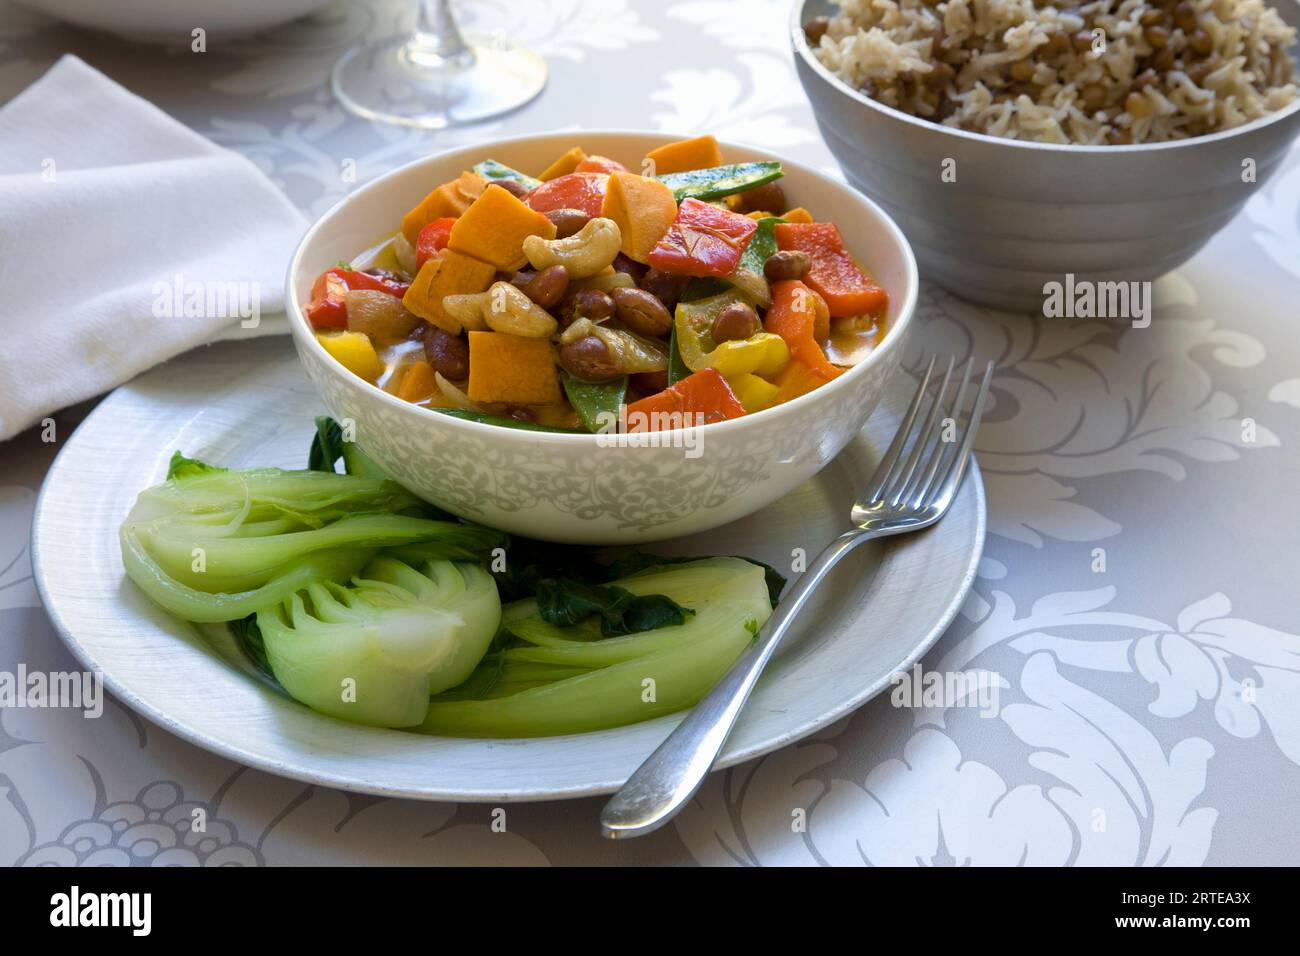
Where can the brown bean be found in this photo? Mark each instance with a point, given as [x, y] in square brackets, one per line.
[641, 312]
[1198, 71]
[939, 77]
[629, 266]
[448, 354]
[521, 413]
[1144, 79]
[667, 287]
[589, 359]
[593, 304]
[1150, 18]
[547, 287]
[769, 197]
[1185, 16]
[1163, 61]
[1056, 44]
[736, 321]
[1119, 137]
[518, 190]
[1082, 41]
[816, 28]
[1200, 43]
[1157, 36]
[1094, 97]
[651, 382]
[1022, 70]
[567, 221]
[787, 264]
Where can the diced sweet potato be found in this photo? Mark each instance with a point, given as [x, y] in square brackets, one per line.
[686, 154]
[448, 200]
[599, 164]
[494, 228]
[643, 208]
[797, 379]
[564, 165]
[797, 214]
[512, 369]
[418, 383]
[452, 273]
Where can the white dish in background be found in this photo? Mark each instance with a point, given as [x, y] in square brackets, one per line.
[576, 488]
[168, 20]
[248, 403]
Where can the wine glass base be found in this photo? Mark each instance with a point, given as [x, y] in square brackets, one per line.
[384, 81]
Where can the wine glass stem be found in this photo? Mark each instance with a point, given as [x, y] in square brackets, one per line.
[437, 42]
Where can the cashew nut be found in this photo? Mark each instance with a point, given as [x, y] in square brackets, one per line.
[468, 310]
[585, 253]
[605, 281]
[507, 309]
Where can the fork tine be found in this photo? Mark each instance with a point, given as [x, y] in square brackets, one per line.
[919, 489]
[942, 496]
[884, 471]
[893, 494]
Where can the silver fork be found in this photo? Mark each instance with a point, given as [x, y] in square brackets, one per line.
[911, 489]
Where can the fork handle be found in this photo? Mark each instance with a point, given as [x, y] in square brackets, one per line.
[669, 777]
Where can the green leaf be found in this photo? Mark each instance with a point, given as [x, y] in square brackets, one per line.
[326, 445]
[595, 401]
[677, 368]
[564, 602]
[718, 181]
[503, 422]
[182, 467]
[633, 562]
[493, 171]
[762, 244]
[249, 637]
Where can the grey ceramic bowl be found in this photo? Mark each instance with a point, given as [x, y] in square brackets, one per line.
[1019, 214]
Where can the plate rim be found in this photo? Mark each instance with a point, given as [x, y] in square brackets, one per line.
[306, 774]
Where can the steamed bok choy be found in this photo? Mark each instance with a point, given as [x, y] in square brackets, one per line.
[364, 606]
[545, 679]
[212, 544]
[364, 603]
[373, 651]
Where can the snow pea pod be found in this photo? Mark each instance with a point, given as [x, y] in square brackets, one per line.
[718, 181]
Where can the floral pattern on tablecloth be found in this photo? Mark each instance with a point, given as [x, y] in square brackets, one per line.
[1135, 607]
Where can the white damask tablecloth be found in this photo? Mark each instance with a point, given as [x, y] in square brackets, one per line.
[1137, 600]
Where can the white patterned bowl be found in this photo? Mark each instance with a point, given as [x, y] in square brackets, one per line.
[573, 488]
[1022, 214]
[173, 20]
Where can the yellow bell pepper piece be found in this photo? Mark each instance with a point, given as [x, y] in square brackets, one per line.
[763, 354]
[754, 393]
[354, 351]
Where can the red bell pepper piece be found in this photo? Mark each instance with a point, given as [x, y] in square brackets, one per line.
[704, 392]
[328, 307]
[848, 291]
[703, 240]
[584, 191]
[792, 316]
[433, 239]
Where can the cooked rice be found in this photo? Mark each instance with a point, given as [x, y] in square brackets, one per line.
[1014, 68]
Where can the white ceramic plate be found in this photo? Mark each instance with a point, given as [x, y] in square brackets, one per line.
[249, 403]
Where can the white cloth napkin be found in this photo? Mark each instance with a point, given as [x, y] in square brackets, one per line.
[125, 239]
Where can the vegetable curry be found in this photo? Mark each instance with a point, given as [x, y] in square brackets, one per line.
[693, 295]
